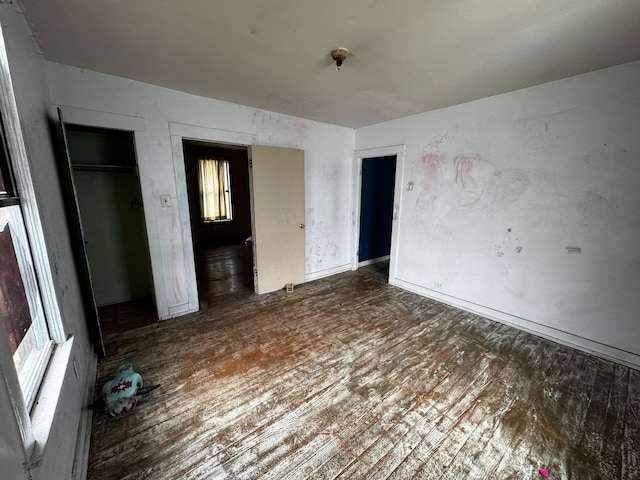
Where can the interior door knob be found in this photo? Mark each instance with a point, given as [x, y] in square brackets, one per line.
[302, 225]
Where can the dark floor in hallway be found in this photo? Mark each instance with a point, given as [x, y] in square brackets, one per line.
[224, 273]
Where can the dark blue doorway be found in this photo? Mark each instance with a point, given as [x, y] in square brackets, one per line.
[376, 211]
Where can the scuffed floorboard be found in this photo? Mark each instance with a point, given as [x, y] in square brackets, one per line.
[350, 378]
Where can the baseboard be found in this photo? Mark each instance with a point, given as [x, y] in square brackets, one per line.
[83, 441]
[374, 260]
[328, 272]
[593, 347]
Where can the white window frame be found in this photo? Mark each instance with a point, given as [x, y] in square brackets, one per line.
[32, 356]
[227, 193]
[19, 162]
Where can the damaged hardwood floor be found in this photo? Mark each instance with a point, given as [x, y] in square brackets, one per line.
[350, 378]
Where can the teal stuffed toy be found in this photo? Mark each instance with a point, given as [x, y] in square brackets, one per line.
[121, 393]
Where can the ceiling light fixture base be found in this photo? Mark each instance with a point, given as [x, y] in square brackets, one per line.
[339, 55]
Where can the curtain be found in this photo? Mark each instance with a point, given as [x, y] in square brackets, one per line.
[213, 180]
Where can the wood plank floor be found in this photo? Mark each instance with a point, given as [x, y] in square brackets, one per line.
[348, 377]
[224, 271]
[125, 316]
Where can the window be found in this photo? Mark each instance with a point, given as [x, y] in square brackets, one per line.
[7, 193]
[21, 308]
[214, 181]
[30, 321]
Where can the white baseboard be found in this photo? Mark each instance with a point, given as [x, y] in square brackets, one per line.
[374, 260]
[83, 441]
[328, 272]
[550, 333]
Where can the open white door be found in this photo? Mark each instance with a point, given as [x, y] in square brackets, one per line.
[78, 241]
[277, 216]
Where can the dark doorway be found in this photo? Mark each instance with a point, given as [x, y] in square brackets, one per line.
[107, 185]
[376, 211]
[221, 236]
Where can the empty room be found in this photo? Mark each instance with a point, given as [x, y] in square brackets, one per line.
[374, 239]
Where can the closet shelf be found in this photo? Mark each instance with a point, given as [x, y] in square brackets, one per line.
[87, 167]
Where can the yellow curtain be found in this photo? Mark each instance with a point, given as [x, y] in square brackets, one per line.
[213, 177]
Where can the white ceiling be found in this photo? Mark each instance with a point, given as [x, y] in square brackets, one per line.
[409, 56]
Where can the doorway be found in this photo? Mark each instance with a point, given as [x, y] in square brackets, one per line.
[376, 210]
[221, 230]
[107, 185]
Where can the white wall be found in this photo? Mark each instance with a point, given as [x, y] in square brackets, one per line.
[64, 405]
[504, 185]
[165, 117]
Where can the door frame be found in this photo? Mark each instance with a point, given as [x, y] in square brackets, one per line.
[137, 284]
[180, 132]
[358, 156]
[137, 126]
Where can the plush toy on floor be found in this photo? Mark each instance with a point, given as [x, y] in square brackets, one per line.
[122, 392]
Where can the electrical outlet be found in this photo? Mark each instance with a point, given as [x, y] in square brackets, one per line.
[437, 284]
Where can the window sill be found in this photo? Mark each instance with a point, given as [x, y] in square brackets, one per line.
[33, 371]
[217, 222]
[48, 398]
